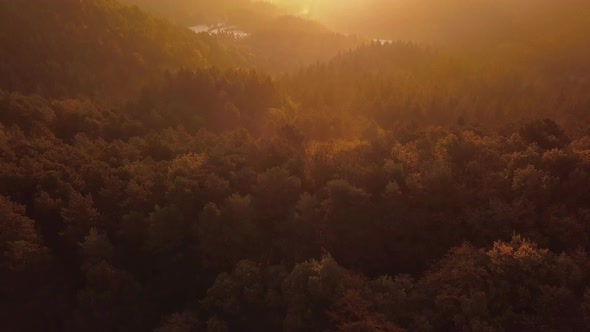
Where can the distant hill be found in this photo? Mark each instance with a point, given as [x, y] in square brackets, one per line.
[95, 48]
[278, 40]
[245, 13]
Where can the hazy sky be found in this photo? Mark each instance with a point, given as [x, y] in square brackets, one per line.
[436, 20]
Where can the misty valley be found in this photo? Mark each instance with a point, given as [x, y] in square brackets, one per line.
[219, 28]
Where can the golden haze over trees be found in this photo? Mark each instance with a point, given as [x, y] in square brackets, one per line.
[341, 166]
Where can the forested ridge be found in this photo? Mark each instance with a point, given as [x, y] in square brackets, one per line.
[154, 179]
[98, 49]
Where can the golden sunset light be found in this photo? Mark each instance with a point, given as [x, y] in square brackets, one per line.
[294, 165]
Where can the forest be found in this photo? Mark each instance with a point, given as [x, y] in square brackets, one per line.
[300, 178]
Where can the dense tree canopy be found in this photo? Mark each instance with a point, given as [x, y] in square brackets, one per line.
[153, 179]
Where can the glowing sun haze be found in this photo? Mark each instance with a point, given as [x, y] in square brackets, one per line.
[316, 7]
[467, 21]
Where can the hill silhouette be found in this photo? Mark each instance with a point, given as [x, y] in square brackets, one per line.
[95, 48]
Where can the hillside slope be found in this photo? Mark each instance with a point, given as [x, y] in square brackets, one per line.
[94, 48]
